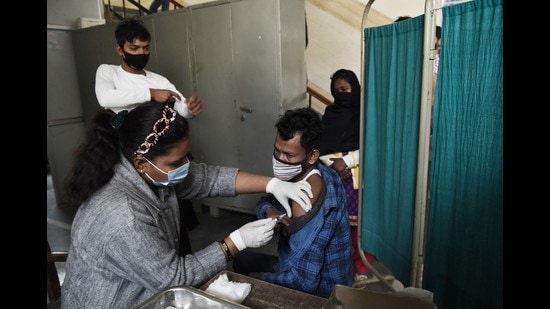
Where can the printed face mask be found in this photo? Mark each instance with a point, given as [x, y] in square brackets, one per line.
[286, 171]
[136, 62]
[175, 176]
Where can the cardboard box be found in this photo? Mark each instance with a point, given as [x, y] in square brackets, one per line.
[344, 297]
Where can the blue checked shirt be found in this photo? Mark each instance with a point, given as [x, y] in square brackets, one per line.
[319, 255]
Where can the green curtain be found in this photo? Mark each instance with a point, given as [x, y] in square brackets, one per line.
[463, 258]
[392, 93]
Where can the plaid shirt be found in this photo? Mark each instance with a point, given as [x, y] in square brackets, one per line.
[318, 256]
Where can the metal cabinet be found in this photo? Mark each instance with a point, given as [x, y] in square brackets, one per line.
[64, 115]
[250, 64]
[244, 58]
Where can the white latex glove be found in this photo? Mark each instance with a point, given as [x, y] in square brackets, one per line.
[254, 234]
[296, 191]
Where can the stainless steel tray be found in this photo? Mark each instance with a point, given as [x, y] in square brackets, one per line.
[184, 297]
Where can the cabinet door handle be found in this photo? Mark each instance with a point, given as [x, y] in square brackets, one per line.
[246, 109]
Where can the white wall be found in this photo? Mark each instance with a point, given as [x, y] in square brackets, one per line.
[390, 8]
[396, 8]
[335, 33]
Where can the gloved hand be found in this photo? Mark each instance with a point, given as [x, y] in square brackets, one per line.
[283, 190]
[254, 234]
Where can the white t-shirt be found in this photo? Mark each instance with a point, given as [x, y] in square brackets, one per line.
[118, 90]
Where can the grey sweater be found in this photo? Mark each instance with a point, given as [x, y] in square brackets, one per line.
[124, 239]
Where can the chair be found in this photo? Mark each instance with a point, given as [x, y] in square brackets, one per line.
[53, 285]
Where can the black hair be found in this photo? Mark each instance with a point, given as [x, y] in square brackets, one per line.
[301, 120]
[401, 18]
[96, 157]
[437, 37]
[130, 29]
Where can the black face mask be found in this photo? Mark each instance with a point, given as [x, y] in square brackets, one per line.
[344, 99]
[136, 62]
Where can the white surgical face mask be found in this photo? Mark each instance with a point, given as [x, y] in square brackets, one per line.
[174, 176]
[286, 171]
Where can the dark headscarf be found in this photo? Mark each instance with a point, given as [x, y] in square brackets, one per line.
[342, 118]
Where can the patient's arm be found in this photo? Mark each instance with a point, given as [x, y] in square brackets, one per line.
[316, 182]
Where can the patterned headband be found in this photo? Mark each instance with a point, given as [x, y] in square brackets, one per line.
[153, 137]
